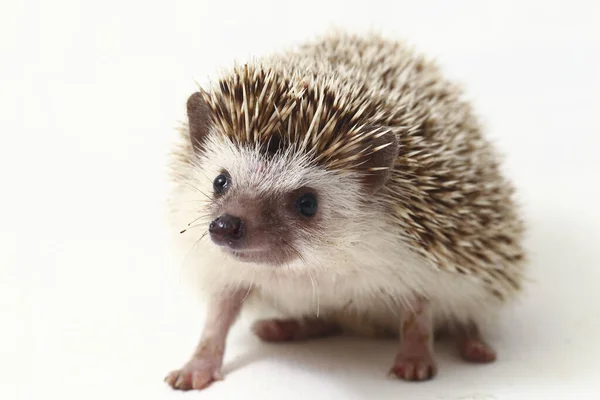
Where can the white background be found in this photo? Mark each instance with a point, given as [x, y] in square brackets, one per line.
[91, 305]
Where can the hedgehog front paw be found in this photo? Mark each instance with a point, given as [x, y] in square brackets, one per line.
[197, 374]
[414, 367]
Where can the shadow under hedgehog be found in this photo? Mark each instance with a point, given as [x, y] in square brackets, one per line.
[346, 184]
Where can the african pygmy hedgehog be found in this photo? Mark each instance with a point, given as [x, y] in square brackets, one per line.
[347, 185]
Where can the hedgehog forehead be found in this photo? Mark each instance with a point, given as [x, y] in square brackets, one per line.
[251, 169]
[255, 172]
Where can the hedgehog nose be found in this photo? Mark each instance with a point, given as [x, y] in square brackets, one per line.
[226, 227]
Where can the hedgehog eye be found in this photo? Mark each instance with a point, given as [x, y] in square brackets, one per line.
[307, 204]
[221, 184]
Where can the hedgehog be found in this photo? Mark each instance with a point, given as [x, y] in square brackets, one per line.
[347, 186]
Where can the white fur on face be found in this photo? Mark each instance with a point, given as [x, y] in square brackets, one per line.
[252, 174]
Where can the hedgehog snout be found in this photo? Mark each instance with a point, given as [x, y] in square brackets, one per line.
[226, 229]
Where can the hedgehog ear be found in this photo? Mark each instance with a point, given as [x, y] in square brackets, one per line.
[383, 150]
[199, 118]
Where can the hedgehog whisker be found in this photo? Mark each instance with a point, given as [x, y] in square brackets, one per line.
[249, 286]
[201, 192]
[199, 218]
[206, 176]
[190, 226]
[300, 256]
[192, 248]
[315, 290]
[238, 285]
[311, 277]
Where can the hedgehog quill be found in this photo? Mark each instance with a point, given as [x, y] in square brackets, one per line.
[346, 184]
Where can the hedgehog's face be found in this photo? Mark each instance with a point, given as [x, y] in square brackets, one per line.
[274, 209]
[271, 203]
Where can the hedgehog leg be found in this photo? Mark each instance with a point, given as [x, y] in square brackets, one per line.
[415, 360]
[204, 367]
[279, 330]
[471, 345]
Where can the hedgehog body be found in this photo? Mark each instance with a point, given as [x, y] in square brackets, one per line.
[411, 200]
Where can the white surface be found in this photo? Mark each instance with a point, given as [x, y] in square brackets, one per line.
[90, 92]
